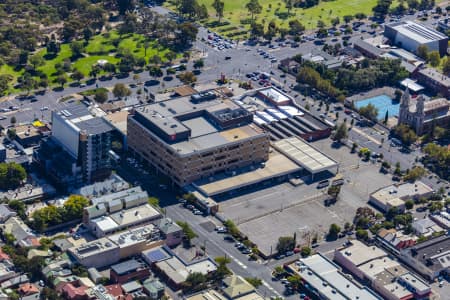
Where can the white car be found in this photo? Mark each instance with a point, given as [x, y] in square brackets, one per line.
[44, 108]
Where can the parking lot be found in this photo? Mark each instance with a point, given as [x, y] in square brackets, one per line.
[281, 210]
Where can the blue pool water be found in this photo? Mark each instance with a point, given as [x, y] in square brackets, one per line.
[383, 103]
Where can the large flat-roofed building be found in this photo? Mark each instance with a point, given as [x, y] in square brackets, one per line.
[109, 250]
[385, 276]
[395, 195]
[431, 258]
[410, 35]
[326, 281]
[191, 138]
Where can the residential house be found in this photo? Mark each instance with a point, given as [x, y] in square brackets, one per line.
[153, 288]
[22, 234]
[6, 213]
[129, 270]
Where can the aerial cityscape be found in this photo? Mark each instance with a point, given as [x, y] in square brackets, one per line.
[224, 149]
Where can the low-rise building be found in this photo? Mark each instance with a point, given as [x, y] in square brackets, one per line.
[153, 288]
[235, 287]
[126, 218]
[434, 81]
[442, 219]
[22, 234]
[431, 259]
[107, 251]
[6, 213]
[129, 270]
[6, 270]
[325, 280]
[395, 240]
[395, 195]
[426, 227]
[171, 232]
[386, 276]
[173, 268]
[207, 295]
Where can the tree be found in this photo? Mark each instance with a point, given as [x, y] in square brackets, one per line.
[348, 19]
[254, 8]
[405, 134]
[187, 77]
[231, 227]
[295, 281]
[62, 80]
[446, 66]
[255, 281]
[155, 59]
[409, 204]
[334, 191]
[434, 58]
[36, 60]
[19, 207]
[289, 5]
[285, 243]
[120, 90]
[73, 207]
[153, 201]
[155, 71]
[189, 234]
[222, 269]
[341, 132]
[101, 96]
[77, 76]
[415, 174]
[305, 251]
[422, 52]
[5, 79]
[170, 56]
[218, 7]
[185, 34]
[11, 175]
[195, 280]
[333, 231]
[362, 234]
[77, 48]
[125, 6]
[199, 63]
[370, 112]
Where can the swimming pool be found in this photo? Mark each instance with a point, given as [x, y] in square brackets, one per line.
[383, 103]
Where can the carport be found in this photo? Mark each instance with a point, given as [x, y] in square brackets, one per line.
[308, 157]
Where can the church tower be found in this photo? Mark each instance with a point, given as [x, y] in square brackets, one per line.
[419, 116]
[404, 107]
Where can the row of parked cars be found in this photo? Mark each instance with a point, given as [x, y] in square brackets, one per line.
[219, 42]
[267, 55]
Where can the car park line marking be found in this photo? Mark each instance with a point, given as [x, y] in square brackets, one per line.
[270, 288]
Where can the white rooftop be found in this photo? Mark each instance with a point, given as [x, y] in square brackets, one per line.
[305, 155]
[326, 277]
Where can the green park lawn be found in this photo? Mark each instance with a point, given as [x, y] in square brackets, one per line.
[99, 47]
[235, 11]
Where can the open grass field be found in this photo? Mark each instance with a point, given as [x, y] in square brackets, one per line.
[235, 11]
[238, 16]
